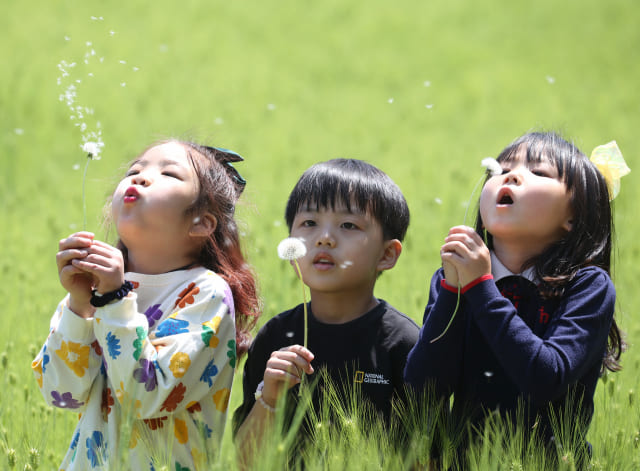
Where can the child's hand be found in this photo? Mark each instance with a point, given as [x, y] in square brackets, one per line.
[76, 281]
[465, 250]
[105, 263]
[450, 273]
[284, 370]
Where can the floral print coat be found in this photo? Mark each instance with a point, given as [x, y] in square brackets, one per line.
[150, 375]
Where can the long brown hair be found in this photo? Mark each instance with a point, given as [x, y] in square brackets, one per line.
[220, 187]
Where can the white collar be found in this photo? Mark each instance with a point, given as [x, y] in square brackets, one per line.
[499, 271]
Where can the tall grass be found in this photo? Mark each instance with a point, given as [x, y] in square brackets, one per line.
[422, 89]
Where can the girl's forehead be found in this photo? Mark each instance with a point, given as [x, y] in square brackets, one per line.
[168, 152]
[525, 154]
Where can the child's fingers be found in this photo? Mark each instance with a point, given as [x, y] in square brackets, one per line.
[77, 240]
[65, 257]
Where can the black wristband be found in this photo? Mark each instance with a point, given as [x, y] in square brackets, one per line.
[99, 301]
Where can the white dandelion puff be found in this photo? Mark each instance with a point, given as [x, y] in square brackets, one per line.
[550, 79]
[427, 83]
[438, 200]
[429, 106]
[271, 106]
[492, 166]
[19, 131]
[390, 100]
[291, 248]
[76, 166]
[93, 148]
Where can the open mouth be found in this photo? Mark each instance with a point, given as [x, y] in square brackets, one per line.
[323, 261]
[505, 198]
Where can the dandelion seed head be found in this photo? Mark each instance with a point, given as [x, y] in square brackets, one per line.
[67, 38]
[92, 148]
[492, 166]
[550, 79]
[390, 100]
[123, 84]
[438, 201]
[291, 248]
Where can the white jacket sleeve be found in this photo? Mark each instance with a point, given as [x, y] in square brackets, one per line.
[69, 361]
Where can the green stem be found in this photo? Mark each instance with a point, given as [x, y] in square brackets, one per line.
[452, 317]
[306, 316]
[84, 200]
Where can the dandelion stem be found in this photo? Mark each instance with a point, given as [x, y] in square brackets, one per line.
[84, 199]
[466, 211]
[306, 316]
[450, 320]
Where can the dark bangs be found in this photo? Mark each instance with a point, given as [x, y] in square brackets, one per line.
[357, 185]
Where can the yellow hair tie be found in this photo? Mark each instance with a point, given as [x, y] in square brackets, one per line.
[612, 166]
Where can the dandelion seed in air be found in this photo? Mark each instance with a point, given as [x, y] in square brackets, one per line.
[390, 100]
[429, 106]
[550, 79]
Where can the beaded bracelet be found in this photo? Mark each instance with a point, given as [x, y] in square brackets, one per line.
[99, 300]
[259, 398]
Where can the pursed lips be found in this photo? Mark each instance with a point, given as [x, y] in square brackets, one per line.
[131, 195]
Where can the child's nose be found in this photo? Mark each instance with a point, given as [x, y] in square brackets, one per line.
[140, 179]
[514, 176]
[325, 238]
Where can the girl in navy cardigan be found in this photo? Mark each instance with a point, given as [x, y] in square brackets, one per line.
[531, 294]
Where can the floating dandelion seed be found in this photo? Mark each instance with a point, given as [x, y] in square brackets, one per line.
[390, 100]
[550, 79]
[438, 201]
[271, 106]
[427, 83]
[292, 249]
[83, 117]
[429, 106]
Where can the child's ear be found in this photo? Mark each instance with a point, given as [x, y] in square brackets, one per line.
[203, 226]
[392, 251]
[568, 225]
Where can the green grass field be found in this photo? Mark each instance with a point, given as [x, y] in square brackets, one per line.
[422, 89]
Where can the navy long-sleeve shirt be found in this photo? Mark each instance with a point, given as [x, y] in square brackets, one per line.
[495, 356]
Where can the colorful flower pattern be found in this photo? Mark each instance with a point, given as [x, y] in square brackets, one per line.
[183, 387]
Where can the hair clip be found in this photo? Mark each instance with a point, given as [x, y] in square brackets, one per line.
[225, 157]
[609, 161]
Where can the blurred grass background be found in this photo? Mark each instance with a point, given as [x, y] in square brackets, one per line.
[422, 89]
